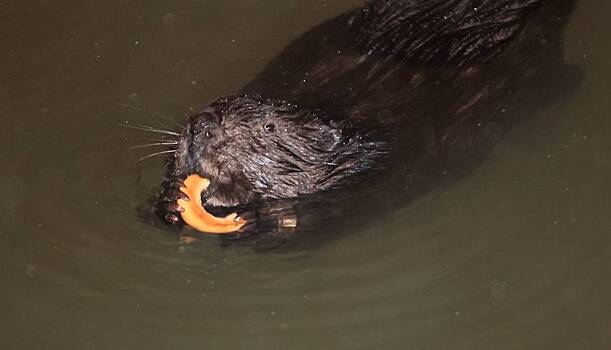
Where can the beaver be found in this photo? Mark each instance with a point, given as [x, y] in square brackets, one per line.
[387, 97]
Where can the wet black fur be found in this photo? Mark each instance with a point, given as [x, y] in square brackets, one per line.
[459, 32]
[258, 149]
[388, 98]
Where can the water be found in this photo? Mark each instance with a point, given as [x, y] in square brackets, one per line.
[514, 256]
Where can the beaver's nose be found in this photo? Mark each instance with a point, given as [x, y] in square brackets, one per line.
[203, 124]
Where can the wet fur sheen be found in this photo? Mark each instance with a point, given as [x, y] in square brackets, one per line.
[257, 149]
[405, 90]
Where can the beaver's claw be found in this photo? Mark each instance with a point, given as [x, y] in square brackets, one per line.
[167, 206]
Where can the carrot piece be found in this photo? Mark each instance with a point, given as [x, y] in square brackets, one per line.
[196, 216]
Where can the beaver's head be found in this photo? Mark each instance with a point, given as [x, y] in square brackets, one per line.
[257, 149]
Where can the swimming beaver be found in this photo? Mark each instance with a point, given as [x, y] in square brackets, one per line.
[391, 96]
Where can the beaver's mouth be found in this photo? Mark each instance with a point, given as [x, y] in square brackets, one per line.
[221, 210]
[197, 216]
[210, 200]
[190, 160]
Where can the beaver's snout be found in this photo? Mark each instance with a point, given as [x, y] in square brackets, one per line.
[204, 130]
[204, 125]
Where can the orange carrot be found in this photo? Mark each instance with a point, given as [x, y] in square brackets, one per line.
[196, 216]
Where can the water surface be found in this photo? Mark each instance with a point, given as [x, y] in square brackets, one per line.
[516, 255]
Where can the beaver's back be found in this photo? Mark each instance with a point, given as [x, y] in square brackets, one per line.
[427, 73]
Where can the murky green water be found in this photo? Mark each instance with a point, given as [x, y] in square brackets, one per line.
[517, 255]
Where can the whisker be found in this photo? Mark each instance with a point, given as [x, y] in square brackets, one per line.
[162, 139]
[149, 128]
[128, 106]
[154, 144]
[155, 154]
[170, 119]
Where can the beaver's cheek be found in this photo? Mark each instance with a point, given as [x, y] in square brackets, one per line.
[208, 165]
[233, 188]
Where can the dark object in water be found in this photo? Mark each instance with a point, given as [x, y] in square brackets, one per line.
[377, 105]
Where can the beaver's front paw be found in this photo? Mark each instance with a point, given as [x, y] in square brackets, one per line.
[268, 223]
[167, 207]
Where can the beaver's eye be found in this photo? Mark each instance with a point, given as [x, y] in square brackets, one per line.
[270, 127]
[207, 134]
